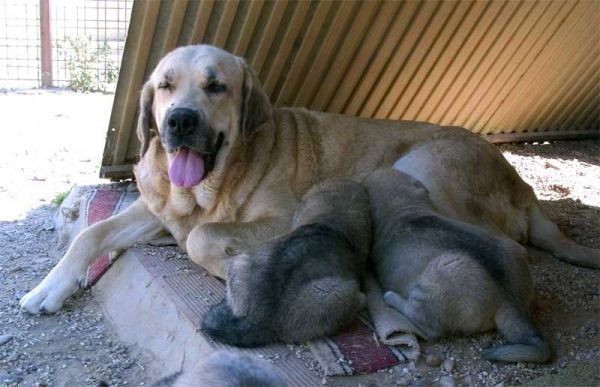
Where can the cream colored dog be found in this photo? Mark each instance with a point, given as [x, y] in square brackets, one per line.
[226, 171]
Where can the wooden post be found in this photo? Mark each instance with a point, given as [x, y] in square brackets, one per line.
[46, 43]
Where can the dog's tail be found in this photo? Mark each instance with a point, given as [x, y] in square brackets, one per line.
[545, 234]
[224, 326]
[526, 343]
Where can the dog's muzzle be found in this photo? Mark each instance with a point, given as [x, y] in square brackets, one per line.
[191, 140]
[182, 121]
[183, 126]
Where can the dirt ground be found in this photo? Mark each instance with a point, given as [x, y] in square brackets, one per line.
[54, 139]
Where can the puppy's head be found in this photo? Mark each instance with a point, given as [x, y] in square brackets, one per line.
[201, 101]
[342, 205]
[390, 188]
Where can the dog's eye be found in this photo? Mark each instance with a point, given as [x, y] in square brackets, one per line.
[165, 85]
[216, 88]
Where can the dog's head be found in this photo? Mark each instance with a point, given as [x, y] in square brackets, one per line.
[202, 101]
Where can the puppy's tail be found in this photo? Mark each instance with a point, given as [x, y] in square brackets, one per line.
[224, 326]
[526, 342]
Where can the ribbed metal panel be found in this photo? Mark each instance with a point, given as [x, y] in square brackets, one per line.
[494, 67]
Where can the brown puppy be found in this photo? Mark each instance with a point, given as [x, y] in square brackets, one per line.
[448, 276]
[305, 284]
[226, 171]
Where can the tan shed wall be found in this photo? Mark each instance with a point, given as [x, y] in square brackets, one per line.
[494, 67]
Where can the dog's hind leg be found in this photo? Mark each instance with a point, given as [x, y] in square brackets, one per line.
[545, 234]
[526, 343]
[135, 224]
[321, 308]
[413, 308]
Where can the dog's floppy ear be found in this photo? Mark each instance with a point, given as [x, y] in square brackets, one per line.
[256, 107]
[145, 119]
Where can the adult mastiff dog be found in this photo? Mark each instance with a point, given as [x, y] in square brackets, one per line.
[226, 171]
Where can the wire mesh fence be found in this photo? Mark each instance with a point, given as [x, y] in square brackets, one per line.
[86, 46]
[19, 44]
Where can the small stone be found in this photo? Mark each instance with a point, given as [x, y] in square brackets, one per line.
[447, 381]
[128, 364]
[486, 344]
[433, 360]
[13, 357]
[426, 382]
[501, 384]
[449, 365]
[403, 382]
[5, 339]
[324, 381]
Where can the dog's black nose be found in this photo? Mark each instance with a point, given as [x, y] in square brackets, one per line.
[182, 121]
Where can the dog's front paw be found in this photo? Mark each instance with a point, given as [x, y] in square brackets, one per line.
[50, 295]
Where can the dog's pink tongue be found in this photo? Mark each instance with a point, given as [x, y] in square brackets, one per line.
[187, 168]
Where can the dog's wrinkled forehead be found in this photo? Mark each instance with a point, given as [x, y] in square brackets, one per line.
[200, 65]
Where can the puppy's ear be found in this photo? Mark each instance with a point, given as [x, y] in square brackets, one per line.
[256, 107]
[145, 120]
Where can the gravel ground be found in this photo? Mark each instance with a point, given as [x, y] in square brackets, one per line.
[75, 347]
[60, 145]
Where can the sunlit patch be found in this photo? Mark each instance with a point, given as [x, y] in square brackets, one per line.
[573, 175]
[47, 152]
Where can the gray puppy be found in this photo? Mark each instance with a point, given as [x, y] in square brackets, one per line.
[305, 284]
[447, 276]
[226, 369]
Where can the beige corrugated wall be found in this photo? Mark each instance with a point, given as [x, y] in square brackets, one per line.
[506, 68]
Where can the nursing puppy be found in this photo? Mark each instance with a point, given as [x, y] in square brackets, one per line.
[305, 284]
[448, 276]
[226, 369]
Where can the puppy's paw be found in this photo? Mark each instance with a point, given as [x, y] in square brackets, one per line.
[389, 297]
[393, 300]
[50, 295]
